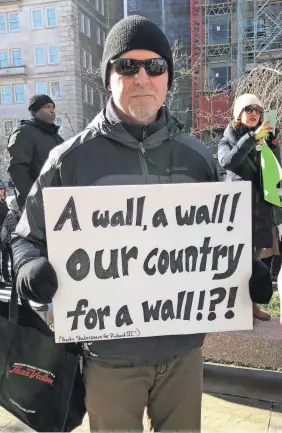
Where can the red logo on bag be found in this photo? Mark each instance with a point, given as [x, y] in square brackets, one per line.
[32, 373]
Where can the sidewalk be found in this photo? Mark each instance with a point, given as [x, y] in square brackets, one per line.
[222, 414]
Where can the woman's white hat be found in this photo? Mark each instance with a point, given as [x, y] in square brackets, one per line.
[243, 101]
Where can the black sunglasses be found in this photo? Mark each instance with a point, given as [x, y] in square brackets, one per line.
[251, 108]
[128, 67]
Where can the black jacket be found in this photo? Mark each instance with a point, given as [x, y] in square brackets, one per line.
[109, 152]
[237, 154]
[29, 147]
[3, 212]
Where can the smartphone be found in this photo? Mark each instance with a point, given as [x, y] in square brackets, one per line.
[271, 116]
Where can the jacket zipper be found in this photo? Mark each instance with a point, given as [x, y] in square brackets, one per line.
[143, 156]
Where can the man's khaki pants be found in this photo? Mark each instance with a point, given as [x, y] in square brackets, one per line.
[116, 397]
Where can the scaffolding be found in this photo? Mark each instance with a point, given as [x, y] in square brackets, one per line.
[196, 60]
[229, 38]
[259, 29]
[217, 44]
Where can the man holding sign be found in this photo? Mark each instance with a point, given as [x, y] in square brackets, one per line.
[134, 141]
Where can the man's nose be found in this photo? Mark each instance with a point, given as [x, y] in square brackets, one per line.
[142, 78]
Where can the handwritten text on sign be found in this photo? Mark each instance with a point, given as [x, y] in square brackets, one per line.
[149, 260]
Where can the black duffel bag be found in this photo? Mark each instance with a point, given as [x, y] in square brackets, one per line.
[41, 382]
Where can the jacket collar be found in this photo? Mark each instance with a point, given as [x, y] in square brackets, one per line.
[109, 124]
[139, 132]
[46, 127]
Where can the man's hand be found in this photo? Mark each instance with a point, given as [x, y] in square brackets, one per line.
[37, 281]
[263, 130]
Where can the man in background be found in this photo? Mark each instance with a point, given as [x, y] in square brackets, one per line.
[30, 144]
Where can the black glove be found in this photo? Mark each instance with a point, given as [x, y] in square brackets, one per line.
[37, 281]
[260, 284]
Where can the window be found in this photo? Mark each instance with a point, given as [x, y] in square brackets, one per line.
[6, 95]
[89, 60]
[41, 88]
[84, 24]
[14, 24]
[59, 122]
[55, 90]
[92, 96]
[84, 92]
[81, 22]
[87, 26]
[219, 77]
[89, 95]
[98, 35]
[100, 6]
[19, 93]
[8, 126]
[16, 57]
[84, 58]
[219, 29]
[39, 56]
[101, 36]
[51, 17]
[4, 59]
[3, 25]
[36, 19]
[53, 55]
[103, 99]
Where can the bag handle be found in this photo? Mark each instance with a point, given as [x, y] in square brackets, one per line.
[14, 304]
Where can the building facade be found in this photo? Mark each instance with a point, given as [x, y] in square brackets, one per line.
[52, 47]
[228, 40]
[173, 17]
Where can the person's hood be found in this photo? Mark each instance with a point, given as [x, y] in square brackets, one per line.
[108, 123]
[47, 127]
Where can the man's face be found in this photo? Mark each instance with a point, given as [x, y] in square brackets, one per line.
[139, 97]
[47, 113]
[2, 195]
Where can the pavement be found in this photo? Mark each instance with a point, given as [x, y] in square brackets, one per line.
[259, 348]
[221, 413]
[258, 410]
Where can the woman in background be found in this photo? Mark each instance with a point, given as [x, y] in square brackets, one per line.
[238, 154]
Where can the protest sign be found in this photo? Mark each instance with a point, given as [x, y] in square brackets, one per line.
[149, 260]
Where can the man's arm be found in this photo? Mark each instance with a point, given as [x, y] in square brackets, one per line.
[230, 158]
[35, 277]
[29, 240]
[20, 147]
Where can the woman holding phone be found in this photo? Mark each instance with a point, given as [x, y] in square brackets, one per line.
[239, 155]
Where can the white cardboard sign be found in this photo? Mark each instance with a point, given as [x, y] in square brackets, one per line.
[149, 260]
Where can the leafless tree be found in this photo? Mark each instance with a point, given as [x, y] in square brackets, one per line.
[93, 75]
[182, 71]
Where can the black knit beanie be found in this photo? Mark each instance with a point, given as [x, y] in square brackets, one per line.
[135, 33]
[38, 101]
